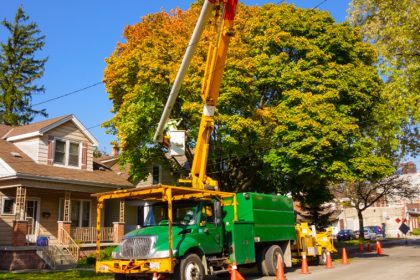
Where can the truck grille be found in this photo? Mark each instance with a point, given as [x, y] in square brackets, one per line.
[136, 247]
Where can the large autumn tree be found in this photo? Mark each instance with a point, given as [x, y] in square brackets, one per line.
[297, 93]
[20, 69]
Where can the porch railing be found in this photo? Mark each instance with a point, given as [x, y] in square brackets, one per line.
[88, 234]
[70, 244]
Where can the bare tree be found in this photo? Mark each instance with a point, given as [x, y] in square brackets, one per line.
[363, 195]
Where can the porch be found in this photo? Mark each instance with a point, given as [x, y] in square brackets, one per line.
[60, 218]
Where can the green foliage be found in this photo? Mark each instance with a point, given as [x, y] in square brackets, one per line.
[19, 69]
[299, 94]
[415, 231]
[90, 260]
[106, 253]
[393, 28]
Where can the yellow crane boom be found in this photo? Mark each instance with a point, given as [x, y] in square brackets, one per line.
[210, 87]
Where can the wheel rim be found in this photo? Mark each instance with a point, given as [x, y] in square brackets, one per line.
[192, 271]
[276, 257]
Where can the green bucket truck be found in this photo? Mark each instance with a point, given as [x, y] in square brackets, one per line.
[191, 233]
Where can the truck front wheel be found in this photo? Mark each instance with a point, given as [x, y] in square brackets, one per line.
[269, 261]
[190, 268]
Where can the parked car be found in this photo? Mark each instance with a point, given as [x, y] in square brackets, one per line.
[377, 230]
[345, 234]
[368, 234]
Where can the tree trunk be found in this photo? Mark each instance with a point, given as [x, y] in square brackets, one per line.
[361, 226]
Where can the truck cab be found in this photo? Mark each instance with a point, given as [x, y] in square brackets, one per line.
[196, 225]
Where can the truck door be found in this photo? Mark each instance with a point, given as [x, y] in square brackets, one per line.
[209, 231]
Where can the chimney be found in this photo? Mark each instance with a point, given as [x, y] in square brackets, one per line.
[115, 149]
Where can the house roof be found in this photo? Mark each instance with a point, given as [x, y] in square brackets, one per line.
[111, 163]
[39, 128]
[4, 129]
[25, 168]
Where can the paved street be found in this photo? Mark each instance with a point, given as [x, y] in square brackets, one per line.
[398, 262]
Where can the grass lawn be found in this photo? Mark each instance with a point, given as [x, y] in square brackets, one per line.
[73, 274]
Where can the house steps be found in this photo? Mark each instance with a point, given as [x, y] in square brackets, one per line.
[57, 257]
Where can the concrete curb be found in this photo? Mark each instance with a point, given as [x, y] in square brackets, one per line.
[385, 244]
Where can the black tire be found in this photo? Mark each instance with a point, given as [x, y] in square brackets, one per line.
[120, 276]
[189, 268]
[269, 262]
[322, 259]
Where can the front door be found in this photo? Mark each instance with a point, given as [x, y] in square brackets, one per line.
[32, 216]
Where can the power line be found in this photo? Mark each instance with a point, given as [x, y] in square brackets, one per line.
[319, 4]
[69, 93]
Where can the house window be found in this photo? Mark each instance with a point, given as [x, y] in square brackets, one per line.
[80, 212]
[67, 153]
[155, 174]
[60, 152]
[74, 154]
[7, 206]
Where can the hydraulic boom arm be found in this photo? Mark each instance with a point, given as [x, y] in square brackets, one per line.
[210, 89]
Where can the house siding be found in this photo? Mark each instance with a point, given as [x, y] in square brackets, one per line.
[6, 221]
[30, 147]
[166, 178]
[49, 201]
[68, 131]
[5, 169]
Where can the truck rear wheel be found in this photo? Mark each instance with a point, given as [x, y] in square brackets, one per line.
[190, 268]
[269, 260]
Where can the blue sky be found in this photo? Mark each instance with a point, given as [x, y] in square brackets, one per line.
[81, 34]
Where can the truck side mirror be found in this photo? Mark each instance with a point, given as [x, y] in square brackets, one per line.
[217, 212]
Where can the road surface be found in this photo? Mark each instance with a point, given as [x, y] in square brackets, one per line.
[398, 262]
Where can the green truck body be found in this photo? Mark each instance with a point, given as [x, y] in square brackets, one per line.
[208, 228]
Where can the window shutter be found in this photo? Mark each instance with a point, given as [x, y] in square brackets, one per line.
[50, 150]
[84, 155]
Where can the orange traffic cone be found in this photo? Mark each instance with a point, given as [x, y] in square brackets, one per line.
[344, 259]
[369, 249]
[155, 276]
[361, 248]
[305, 269]
[329, 261]
[378, 248]
[280, 270]
[234, 274]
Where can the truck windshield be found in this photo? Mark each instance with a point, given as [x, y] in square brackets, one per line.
[184, 213]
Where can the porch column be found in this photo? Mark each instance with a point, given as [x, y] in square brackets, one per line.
[20, 229]
[118, 229]
[63, 226]
[20, 225]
